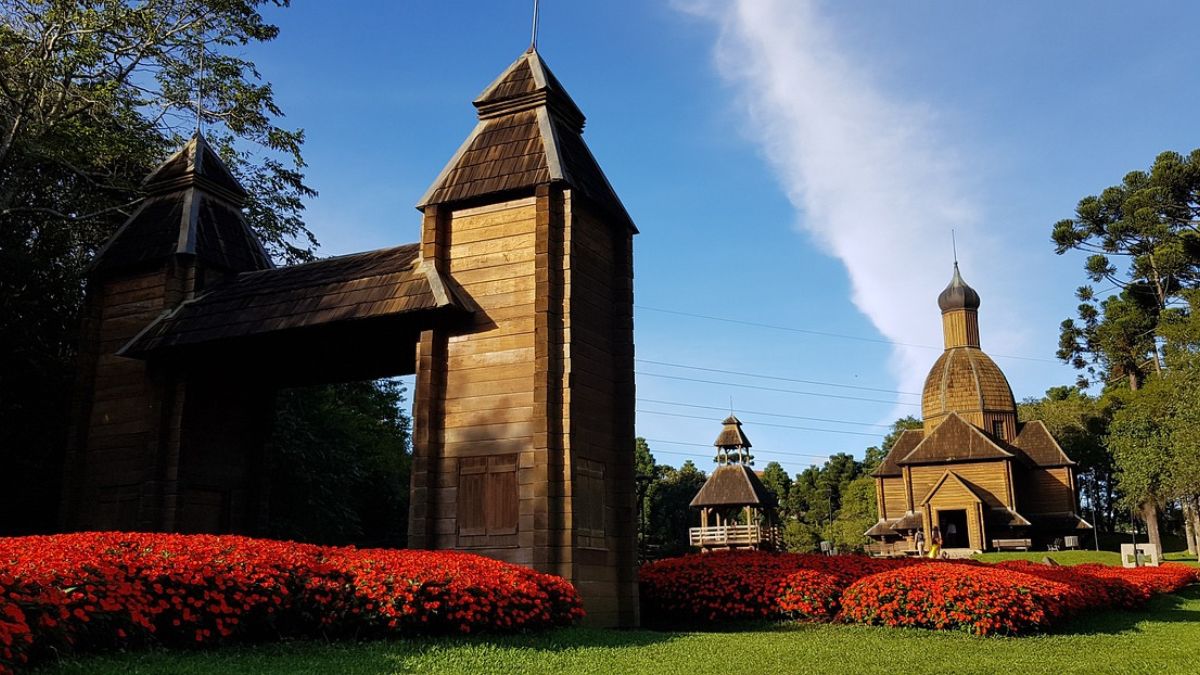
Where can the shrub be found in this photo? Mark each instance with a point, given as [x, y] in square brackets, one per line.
[975, 598]
[101, 590]
[1011, 598]
[711, 588]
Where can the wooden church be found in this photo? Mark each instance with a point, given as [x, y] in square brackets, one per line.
[984, 479]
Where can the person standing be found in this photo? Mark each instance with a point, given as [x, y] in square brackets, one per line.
[935, 542]
[920, 543]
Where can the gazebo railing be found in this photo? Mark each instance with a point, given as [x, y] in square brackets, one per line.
[735, 535]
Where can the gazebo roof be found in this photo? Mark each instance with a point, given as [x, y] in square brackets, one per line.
[734, 485]
[732, 436]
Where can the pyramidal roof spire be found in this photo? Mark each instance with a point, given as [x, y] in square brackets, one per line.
[193, 206]
[525, 85]
[732, 437]
[196, 163]
[530, 133]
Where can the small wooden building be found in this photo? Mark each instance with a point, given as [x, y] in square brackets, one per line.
[986, 480]
[736, 509]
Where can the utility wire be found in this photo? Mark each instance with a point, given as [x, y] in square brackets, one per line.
[755, 450]
[806, 331]
[766, 414]
[776, 377]
[776, 389]
[761, 424]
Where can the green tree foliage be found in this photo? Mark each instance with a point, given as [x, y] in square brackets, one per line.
[1149, 222]
[874, 455]
[1142, 236]
[776, 479]
[669, 514]
[93, 94]
[646, 473]
[858, 513]
[340, 458]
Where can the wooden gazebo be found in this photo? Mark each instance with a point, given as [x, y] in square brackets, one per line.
[736, 509]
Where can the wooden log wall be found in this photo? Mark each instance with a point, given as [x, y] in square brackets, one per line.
[529, 412]
[110, 477]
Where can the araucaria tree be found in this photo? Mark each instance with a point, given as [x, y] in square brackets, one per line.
[1143, 238]
[93, 94]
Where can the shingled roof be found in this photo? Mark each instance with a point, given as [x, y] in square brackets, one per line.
[371, 285]
[529, 134]
[905, 442]
[1035, 442]
[734, 485]
[731, 435]
[954, 440]
[193, 206]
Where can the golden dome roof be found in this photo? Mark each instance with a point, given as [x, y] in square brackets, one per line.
[965, 380]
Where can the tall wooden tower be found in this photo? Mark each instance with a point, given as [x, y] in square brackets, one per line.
[523, 446]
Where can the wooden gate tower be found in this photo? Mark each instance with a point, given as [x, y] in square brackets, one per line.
[514, 311]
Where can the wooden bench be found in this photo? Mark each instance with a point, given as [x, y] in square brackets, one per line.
[1012, 544]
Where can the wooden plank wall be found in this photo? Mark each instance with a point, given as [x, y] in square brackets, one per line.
[475, 389]
[895, 504]
[990, 478]
[112, 468]
[599, 368]
[1047, 491]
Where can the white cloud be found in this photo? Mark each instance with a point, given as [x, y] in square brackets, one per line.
[872, 176]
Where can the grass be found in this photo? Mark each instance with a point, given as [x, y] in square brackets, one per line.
[1161, 639]
[1076, 557]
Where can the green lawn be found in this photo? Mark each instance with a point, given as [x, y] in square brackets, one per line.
[1163, 639]
[1076, 557]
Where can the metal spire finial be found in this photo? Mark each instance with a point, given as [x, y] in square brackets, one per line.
[534, 33]
[200, 79]
[954, 246]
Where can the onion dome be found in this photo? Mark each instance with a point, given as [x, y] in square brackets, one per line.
[958, 295]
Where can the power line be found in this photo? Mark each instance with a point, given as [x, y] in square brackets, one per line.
[767, 452]
[776, 389]
[762, 424]
[776, 377]
[767, 414]
[807, 331]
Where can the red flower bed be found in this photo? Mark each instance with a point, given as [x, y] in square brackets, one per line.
[724, 586]
[1010, 598]
[99, 590]
[978, 598]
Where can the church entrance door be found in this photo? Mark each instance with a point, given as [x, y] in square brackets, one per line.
[954, 528]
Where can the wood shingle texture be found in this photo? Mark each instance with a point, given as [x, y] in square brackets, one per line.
[192, 208]
[955, 440]
[1037, 444]
[529, 133]
[905, 442]
[371, 285]
[732, 436]
[965, 380]
[733, 485]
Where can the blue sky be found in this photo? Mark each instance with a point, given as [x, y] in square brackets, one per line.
[790, 163]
